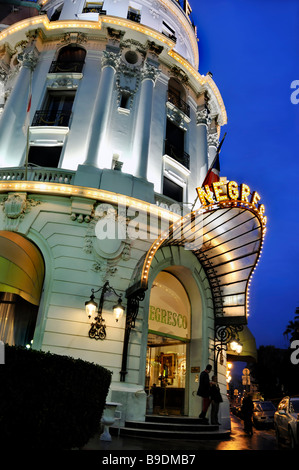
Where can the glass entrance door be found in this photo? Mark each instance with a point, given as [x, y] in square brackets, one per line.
[168, 338]
[166, 374]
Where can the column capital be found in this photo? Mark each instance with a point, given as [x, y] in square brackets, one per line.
[29, 57]
[110, 59]
[203, 115]
[149, 72]
[213, 139]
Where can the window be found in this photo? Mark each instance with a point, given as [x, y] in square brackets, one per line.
[134, 14]
[17, 319]
[177, 96]
[172, 190]
[56, 110]
[44, 156]
[175, 144]
[94, 7]
[168, 31]
[70, 59]
[125, 99]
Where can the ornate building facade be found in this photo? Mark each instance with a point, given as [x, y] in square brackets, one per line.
[107, 130]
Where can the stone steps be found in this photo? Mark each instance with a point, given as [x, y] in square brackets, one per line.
[172, 427]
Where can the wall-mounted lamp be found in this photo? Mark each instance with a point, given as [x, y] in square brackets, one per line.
[236, 346]
[98, 327]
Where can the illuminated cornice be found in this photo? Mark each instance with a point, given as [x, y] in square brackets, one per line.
[43, 22]
[55, 189]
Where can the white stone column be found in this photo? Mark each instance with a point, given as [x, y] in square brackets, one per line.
[203, 121]
[96, 150]
[12, 138]
[143, 119]
[213, 142]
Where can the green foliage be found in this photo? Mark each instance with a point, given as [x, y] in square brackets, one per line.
[292, 329]
[49, 401]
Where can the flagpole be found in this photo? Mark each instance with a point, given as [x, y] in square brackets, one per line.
[217, 153]
[27, 133]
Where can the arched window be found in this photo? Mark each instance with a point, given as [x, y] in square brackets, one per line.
[177, 95]
[70, 59]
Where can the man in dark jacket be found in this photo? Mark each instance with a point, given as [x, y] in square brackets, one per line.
[204, 392]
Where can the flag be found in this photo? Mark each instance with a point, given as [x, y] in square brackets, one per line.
[213, 174]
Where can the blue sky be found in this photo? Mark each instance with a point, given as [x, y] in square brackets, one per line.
[252, 49]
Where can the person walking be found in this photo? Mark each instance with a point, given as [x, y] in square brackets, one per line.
[216, 399]
[247, 411]
[204, 392]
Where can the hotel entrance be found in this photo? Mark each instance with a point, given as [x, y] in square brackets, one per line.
[167, 346]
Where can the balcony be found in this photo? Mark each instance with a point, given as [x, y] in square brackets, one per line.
[66, 67]
[98, 10]
[36, 173]
[179, 103]
[172, 37]
[134, 16]
[51, 118]
[177, 154]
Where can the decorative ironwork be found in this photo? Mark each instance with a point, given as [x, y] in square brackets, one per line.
[134, 16]
[224, 334]
[132, 312]
[51, 118]
[98, 328]
[66, 67]
[95, 9]
[178, 155]
[178, 102]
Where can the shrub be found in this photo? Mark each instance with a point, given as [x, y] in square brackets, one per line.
[49, 401]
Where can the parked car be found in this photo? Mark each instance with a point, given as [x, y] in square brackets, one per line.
[263, 413]
[286, 421]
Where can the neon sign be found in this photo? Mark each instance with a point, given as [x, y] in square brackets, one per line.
[221, 192]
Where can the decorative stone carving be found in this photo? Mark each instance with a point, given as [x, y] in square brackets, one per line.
[75, 38]
[149, 71]
[203, 115]
[213, 139]
[15, 206]
[180, 74]
[110, 59]
[64, 83]
[29, 57]
[177, 116]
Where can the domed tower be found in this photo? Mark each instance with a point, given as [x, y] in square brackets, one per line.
[114, 85]
[107, 130]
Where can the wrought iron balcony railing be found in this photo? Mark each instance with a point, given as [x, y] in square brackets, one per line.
[66, 67]
[134, 16]
[98, 10]
[51, 118]
[179, 103]
[170, 36]
[177, 154]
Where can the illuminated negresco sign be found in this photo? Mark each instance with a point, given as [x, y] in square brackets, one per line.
[222, 192]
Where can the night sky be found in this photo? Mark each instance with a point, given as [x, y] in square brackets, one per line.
[252, 49]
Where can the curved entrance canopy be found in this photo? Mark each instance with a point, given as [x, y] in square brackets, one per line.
[227, 239]
[21, 267]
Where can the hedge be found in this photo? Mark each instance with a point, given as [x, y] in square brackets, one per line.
[48, 401]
